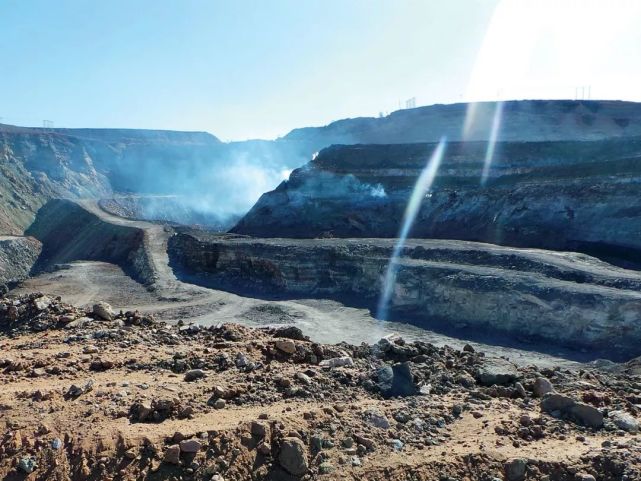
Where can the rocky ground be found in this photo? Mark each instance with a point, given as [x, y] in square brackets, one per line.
[98, 394]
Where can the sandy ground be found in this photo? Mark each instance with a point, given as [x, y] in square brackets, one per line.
[102, 438]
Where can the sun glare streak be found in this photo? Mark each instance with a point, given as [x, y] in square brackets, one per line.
[423, 185]
[470, 116]
[491, 143]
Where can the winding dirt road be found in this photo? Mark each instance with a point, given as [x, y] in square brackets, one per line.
[85, 282]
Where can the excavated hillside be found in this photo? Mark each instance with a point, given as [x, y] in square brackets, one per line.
[579, 196]
[522, 120]
[453, 286]
[169, 175]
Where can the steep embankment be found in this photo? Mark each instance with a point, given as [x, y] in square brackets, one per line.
[69, 232]
[17, 257]
[557, 195]
[564, 298]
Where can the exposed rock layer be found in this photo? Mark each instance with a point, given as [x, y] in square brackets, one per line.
[40, 164]
[557, 195]
[565, 298]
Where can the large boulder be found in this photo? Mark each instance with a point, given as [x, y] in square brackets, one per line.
[293, 456]
[396, 380]
[559, 405]
[495, 370]
[542, 386]
[103, 311]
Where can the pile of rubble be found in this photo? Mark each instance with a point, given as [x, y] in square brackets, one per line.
[37, 312]
[227, 402]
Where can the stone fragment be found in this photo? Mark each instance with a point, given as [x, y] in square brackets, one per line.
[377, 419]
[194, 374]
[497, 371]
[542, 386]
[337, 362]
[190, 446]
[624, 421]
[103, 311]
[515, 469]
[258, 429]
[293, 456]
[172, 454]
[285, 345]
[42, 303]
[264, 448]
[27, 464]
[564, 406]
[584, 477]
[396, 380]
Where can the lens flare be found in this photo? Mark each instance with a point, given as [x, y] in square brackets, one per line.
[423, 185]
[491, 143]
[468, 123]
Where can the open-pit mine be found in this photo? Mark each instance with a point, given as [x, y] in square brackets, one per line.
[153, 326]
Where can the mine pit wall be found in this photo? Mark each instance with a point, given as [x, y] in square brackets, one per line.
[18, 255]
[433, 295]
[569, 196]
[69, 232]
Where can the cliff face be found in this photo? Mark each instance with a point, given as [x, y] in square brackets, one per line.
[565, 298]
[559, 195]
[214, 181]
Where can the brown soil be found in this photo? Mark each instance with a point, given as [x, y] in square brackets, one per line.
[274, 386]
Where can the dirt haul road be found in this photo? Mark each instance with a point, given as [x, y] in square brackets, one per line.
[84, 282]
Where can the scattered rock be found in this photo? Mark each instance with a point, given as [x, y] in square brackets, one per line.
[564, 406]
[194, 374]
[293, 456]
[542, 386]
[103, 311]
[624, 421]
[172, 454]
[377, 419]
[497, 371]
[286, 346]
[258, 429]
[584, 477]
[190, 446]
[396, 380]
[27, 465]
[515, 469]
[337, 362]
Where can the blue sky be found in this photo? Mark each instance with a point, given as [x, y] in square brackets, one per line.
[258, 68]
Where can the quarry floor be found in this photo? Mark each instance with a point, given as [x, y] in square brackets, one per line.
[83, 283]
